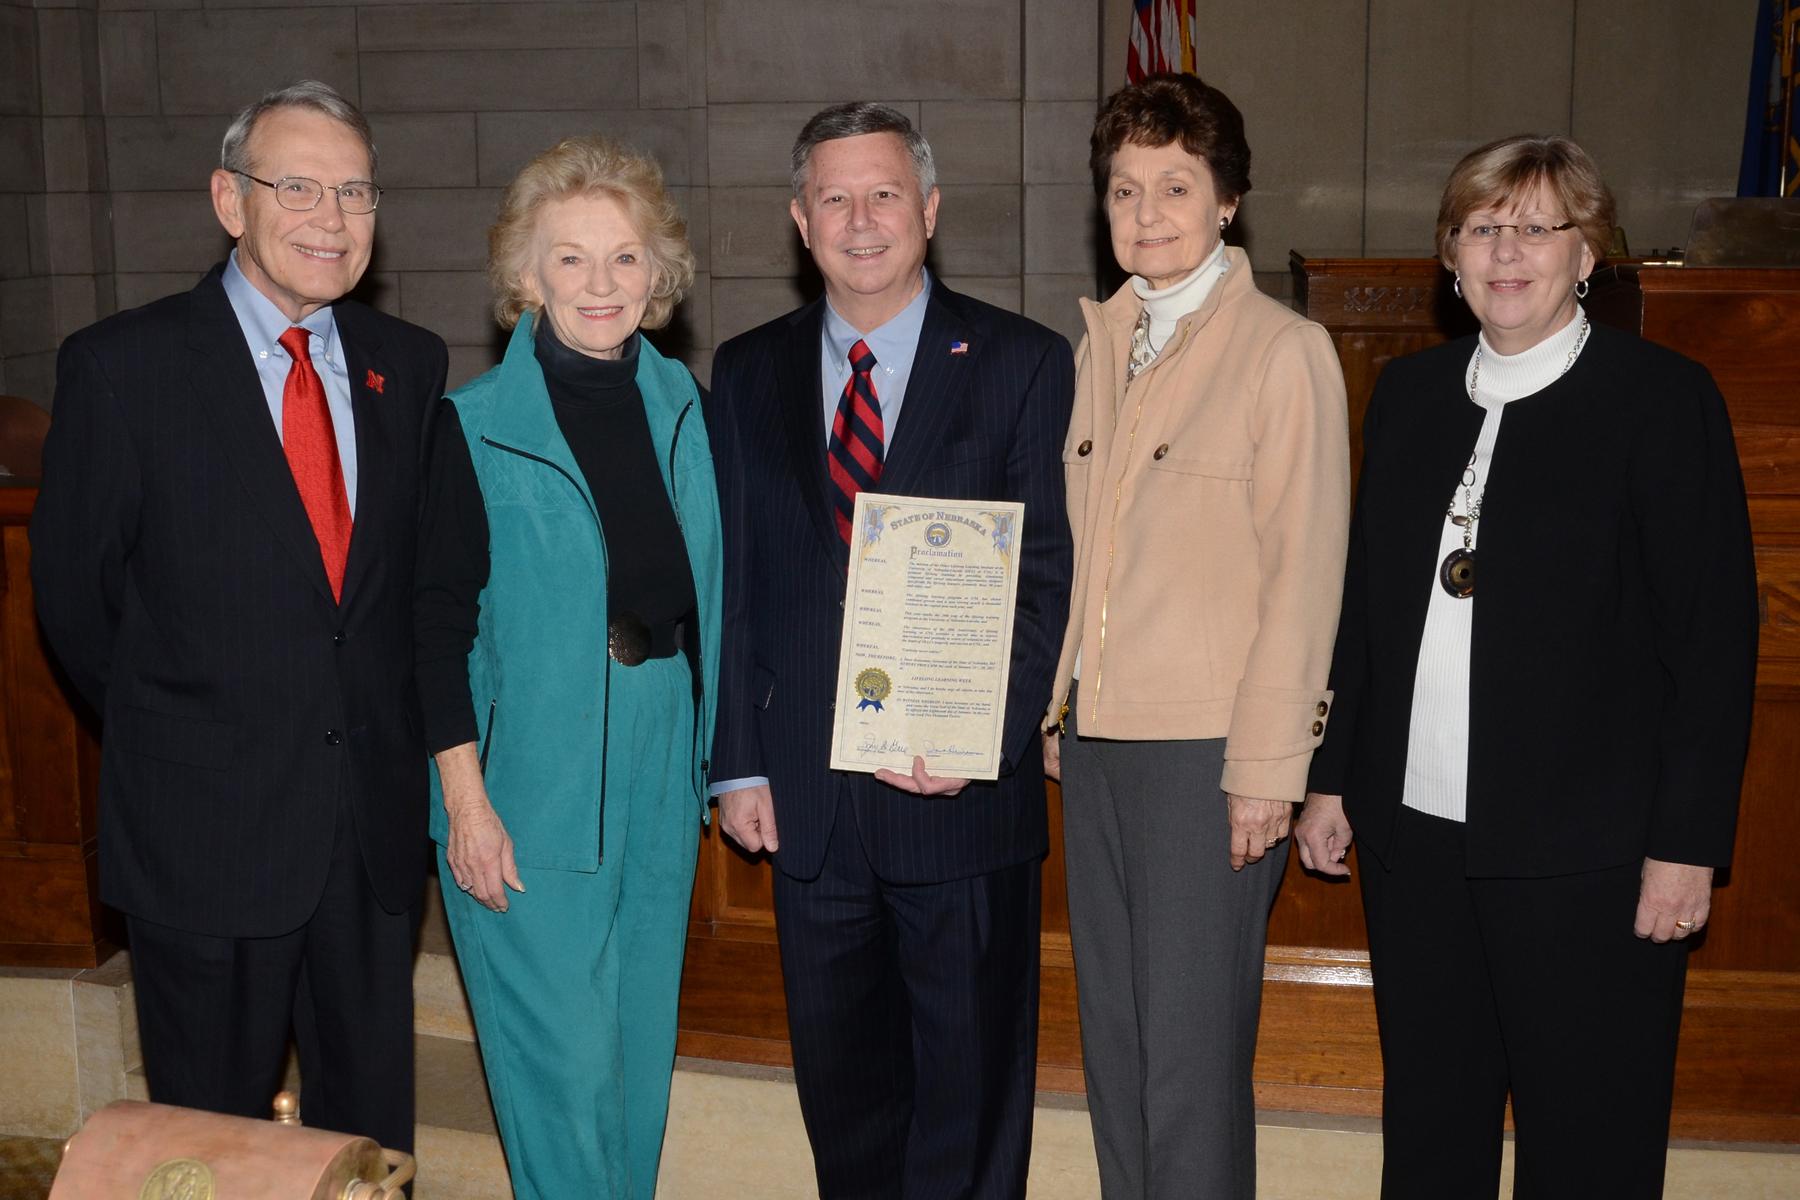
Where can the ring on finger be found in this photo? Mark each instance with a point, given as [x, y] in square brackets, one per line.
[1685, 926]
[467, 885]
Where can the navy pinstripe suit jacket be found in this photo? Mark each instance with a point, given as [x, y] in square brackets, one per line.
[985, 424]
[180, 583]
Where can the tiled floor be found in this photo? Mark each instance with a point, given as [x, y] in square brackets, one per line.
[735, 1133]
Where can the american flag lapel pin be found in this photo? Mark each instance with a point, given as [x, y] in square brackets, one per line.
[959, 347]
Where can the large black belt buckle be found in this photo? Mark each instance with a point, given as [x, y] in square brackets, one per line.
[628, 639]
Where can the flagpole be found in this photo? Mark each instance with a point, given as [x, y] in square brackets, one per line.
[1790, 85]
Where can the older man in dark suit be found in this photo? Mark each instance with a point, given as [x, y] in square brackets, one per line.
[907, 906]
[222, 552]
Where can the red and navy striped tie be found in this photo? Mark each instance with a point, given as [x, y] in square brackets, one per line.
[854, 455]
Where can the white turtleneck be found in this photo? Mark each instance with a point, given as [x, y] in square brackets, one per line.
[1437, 749]
[1176, 301]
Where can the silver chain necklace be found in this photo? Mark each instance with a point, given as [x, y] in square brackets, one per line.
[1457, 572]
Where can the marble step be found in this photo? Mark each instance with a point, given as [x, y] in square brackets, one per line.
[68, 1045]
[736, 1131]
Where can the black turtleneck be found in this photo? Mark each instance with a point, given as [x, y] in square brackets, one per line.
[601, 414]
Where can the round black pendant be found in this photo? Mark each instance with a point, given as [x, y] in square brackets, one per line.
[1458, 573]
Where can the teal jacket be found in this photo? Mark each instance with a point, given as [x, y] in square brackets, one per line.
[539, 672]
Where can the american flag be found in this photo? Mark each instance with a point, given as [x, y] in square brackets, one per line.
[959, 347]
[1162, 38]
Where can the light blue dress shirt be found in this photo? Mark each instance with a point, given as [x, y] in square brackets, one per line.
[894, 345]
[263, 324]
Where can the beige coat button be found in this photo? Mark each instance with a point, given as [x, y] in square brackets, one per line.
[1322, 708]
[1086, 448]
[1162, 451]
[1318, 728]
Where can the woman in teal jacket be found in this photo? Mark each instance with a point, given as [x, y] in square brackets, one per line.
[568, 634]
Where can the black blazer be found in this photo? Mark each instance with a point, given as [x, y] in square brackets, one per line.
[178, 580]
[984, 424]
[1613, 653]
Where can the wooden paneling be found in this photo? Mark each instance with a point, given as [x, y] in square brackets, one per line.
[1778, 602]
[1755, 923]
[50, 913]
[1736, 1077]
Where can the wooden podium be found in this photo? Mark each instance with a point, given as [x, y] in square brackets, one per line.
[1740, 1053]
[50, 914]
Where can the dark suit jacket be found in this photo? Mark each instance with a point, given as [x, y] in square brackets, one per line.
[1613, 653]
[180, 584]
[985, 424]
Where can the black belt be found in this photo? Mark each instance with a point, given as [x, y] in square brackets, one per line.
[631, 640]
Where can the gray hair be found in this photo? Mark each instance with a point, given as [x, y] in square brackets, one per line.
[234, 151]
[853, 120]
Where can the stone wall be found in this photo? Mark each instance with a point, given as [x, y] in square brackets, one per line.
[55, 248]
[461, 95]
[111, 111]
[1357, 109]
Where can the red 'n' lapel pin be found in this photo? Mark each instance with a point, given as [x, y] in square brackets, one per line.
[959, 347]
[374, 381]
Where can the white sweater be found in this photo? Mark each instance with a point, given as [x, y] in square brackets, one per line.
[1437, 748]
[1176, 301]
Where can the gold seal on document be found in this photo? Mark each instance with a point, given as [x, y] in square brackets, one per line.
[179, 1179]
[873, 685]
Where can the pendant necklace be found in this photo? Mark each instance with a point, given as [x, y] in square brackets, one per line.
[1456, 574]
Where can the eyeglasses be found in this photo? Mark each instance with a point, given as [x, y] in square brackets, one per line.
[300, 194]
[1487, 235]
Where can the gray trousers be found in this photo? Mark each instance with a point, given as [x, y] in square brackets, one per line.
[1168, 944]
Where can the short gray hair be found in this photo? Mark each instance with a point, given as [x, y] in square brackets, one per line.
[853, 120]
[234, 151]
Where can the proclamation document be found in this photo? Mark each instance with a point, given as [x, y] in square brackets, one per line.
[927, 642]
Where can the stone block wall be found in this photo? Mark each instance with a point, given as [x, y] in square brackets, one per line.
[55, 244]
[1357, 109]
[136, 93]
[111, 111]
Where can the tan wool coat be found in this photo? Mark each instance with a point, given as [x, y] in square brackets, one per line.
[1210, 502]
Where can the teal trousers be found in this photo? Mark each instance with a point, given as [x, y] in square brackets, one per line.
[574, 988]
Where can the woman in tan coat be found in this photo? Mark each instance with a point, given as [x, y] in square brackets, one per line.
[1208, 482]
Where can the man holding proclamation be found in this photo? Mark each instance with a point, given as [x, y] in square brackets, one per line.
[906, 903]
[223, 557]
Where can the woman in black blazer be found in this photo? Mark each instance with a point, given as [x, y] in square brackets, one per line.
[1543, 679]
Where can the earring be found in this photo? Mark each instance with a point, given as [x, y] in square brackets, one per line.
[1223, 222]
[1456, 285]
[1581, 289]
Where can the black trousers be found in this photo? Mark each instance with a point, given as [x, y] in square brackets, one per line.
[913, 1016]
[1533, 986]
[215, 1013]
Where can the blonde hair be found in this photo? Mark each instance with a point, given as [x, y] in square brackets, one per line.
[1510, 169]
[590, 165]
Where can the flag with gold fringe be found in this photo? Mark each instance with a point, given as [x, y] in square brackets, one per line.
[1771, 161]
[1162, 38]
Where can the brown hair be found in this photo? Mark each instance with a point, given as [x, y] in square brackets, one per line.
[1510, 170]
[1168, 108]
[590, 166]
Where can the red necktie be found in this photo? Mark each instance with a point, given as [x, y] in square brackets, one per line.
[854, 454]
[310, 441]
